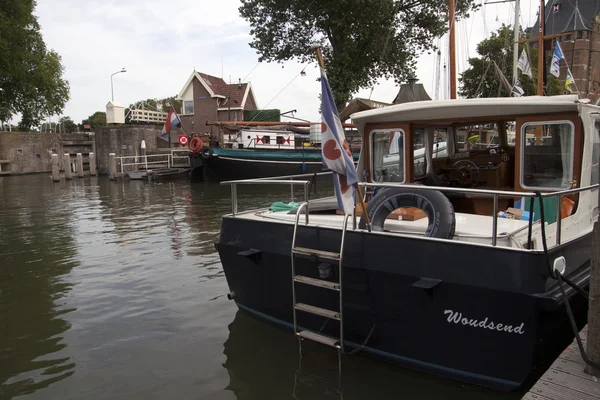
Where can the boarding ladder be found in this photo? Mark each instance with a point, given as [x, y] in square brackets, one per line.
[323, 256]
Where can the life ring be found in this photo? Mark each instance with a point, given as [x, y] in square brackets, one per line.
[196, 144]
[206, 152]
[436, 206]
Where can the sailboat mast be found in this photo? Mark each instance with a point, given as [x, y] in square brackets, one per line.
[516, 28]
[451, 21]
[540, 75]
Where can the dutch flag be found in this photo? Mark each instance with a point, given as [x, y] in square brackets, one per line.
[171, 122]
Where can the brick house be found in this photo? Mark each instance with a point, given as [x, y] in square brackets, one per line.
[208, 98]
[576, 25]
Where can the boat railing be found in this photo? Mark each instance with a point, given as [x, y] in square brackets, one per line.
[180, 157]
[496, 195]
[144, 161]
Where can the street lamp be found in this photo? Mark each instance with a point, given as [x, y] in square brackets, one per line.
[112, 94]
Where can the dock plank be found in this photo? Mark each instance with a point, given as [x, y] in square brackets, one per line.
[566, 378]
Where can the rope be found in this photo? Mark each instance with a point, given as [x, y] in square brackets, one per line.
[558, 276]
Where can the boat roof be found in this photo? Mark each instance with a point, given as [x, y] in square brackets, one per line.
[468, 108]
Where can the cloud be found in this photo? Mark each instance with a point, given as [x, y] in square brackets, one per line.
[161, 43]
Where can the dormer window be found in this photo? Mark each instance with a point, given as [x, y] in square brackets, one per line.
[556, 7]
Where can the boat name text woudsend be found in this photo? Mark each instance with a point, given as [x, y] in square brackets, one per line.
[457, 318]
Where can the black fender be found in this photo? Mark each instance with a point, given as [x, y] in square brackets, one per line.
[436, 206]
[206, 152]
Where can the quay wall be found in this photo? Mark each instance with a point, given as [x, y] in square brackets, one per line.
[125, 140]
[31, 152]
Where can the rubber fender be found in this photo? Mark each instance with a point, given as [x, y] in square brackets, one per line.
[437, 207]
[206, 152]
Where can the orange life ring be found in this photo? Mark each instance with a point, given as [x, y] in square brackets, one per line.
[196, 145]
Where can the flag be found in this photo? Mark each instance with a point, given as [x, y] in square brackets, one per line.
[523, 64]
[517, 89]
[502, 79]
[570, 82]
[558, 55]
[336, 152]
[171, 122]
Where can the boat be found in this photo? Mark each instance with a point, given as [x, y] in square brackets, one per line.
[465, 287]
[260, 154]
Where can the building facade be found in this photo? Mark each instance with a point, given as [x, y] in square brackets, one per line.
[208, 98]
[576, 26]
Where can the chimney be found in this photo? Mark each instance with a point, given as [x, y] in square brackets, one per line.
[240, 83]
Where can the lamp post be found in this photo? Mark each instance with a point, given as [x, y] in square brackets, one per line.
[112, 94]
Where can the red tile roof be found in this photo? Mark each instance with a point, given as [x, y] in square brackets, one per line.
[234, 91]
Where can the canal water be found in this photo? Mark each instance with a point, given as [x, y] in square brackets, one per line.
[114, 290]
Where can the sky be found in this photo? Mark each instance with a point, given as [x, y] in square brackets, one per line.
[160, 43]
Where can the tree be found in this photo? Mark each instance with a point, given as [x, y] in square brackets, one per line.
[68, 125]
[480, 80]
[31, 80]
[96, 119]
[362, 40]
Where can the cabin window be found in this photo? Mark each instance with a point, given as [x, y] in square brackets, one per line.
[188, 107]
[547, 155]
[438, 145]
[477, 137]
[267, 139]
[596, 156]
[388, 155]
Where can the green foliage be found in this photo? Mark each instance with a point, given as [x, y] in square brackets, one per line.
[362, 40]
[480, 80]
[96, 119]
[67, 125]
[271, 115]
[31, 80]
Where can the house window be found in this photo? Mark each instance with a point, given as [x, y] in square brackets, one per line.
[579, 34]
[188, 106]
[388, 156]
[547, 155]
[569, 37]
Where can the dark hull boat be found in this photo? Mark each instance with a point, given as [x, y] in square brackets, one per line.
[228, 164]
[462, 292]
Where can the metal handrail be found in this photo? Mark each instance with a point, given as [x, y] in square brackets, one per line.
[495, 194]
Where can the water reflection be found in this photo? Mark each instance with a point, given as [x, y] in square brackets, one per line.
[37, 249]
[263, 363]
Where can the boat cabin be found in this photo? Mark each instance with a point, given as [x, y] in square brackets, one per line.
[267, 139]
[503, 144]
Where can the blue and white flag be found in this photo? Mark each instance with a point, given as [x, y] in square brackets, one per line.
[336, 152]
[558, 55]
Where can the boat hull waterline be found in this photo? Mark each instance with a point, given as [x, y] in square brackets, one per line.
[479, 314]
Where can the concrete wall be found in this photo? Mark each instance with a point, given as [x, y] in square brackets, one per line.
[28, 152]
[125, 141]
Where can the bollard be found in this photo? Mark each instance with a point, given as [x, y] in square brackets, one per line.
[55, 168]
[112, 166]
[67, 166]
[93, 164]
[79, 159]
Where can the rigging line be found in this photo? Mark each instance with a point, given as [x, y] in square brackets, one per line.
[277, 95]
[252, 70]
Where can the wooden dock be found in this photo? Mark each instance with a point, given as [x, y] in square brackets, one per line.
[566, 378]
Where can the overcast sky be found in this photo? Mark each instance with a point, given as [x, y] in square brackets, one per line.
[160, 43]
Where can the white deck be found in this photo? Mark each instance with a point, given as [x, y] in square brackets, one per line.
[469, 227]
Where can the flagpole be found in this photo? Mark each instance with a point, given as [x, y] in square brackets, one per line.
[358, 191]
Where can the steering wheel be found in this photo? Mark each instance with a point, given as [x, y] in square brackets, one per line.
[468, 172]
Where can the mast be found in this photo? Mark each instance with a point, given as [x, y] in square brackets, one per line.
[540, 75]
[516, 44]
[451, 21]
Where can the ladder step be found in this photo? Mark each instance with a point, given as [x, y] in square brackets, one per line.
[317, 282]
[318, 311]
[328, 255]
[317, 337]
